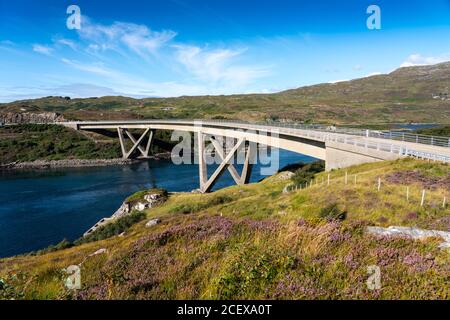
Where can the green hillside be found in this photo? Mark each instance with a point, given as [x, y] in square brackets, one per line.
[401, 96]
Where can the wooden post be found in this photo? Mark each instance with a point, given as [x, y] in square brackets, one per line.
[379, 184]
[355, 179]
[444, 202]
[328, 179]
[407, 194]
[346, 177]
[422, 202]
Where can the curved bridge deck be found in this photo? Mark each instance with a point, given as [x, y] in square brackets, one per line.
[339, 147]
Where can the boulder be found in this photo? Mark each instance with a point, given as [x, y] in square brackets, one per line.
[99, 251]
[152, 222]
[413, 233]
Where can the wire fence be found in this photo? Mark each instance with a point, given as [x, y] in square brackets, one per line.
[435, 196]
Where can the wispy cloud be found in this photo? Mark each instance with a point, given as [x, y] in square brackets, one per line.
[218, 65]
[42, 49]
[186, 69]
[137, 38]
[66, 42]
[376, 73]
[97, 69]
[419, 60]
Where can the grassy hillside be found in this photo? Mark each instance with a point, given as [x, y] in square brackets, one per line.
[256, 242]
[401, 96]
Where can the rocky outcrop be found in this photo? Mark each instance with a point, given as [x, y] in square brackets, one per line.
[30, 117]
[152, 222]
[413, 233]
[146, 201]
[68, 163]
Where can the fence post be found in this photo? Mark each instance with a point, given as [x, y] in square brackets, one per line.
[444, 202]
[355, 179]
[407, 194]
[346, 177]
[423, 198]
[379, 184]
[328, 179]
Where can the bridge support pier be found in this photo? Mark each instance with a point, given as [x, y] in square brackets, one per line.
[206, 184]
[126, 154]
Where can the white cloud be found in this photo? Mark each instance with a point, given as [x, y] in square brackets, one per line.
[419, 60]
[42, 49]
[376, 73]
[218, 65]
[98, 69]
[137, 38]
[66, 42]
[337, 81]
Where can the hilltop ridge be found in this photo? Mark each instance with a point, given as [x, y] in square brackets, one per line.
[400, 96]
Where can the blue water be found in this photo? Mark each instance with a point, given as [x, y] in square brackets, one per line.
[416, 126]
[40, 208]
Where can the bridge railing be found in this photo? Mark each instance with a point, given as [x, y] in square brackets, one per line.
[415, 138]
[358, 137]
[380, 134]
[349, 135]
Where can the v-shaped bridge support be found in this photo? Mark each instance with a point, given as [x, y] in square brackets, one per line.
[136, 143]
[206, 184]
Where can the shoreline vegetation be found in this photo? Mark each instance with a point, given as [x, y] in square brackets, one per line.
[40, 146]
[76, 163]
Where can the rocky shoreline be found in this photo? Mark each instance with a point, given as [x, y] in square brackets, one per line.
[75, 163]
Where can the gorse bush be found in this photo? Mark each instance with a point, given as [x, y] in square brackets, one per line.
[107, 231]
[8, 291]
[64, 244]
[186, 208]
[306, 172]
[332, 212]
[113, 228]
[139, 196]
[440, 131]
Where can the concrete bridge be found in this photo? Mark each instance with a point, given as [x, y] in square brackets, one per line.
[339, 148]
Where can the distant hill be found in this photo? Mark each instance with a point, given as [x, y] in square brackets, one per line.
[411, 94]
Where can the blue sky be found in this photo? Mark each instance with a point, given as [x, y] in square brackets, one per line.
[196, 47]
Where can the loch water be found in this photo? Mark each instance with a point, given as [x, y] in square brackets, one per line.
[42, 207]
